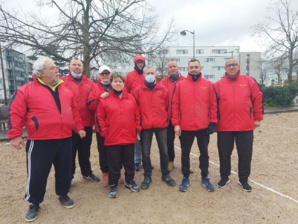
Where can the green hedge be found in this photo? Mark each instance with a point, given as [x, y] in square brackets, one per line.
[279, 96]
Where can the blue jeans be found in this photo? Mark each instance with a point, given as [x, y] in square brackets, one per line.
[146, 140]
[138, 152]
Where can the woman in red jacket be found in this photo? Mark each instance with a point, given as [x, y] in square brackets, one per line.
[119, 122]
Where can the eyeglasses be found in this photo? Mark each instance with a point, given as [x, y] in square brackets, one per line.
[231, 65]
[53, 68]
[150, 73]
[106, 73]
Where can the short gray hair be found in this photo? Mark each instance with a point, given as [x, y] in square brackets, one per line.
[38, 65]
[149, 67]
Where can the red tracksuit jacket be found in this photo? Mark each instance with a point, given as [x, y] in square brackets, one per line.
[119, 119]
[34, 107]
[194, 104]
[81, 91]
[240, 103]
[153, 105]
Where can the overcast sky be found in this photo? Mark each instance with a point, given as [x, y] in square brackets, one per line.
[216, 22]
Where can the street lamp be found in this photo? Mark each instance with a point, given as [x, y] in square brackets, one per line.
[183, 33]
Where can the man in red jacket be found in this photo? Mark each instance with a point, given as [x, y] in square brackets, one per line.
[132, 81]
[152, 99]
[240, 111]
[194, 115]
[170, 83]
[48, 110]
[80, 85]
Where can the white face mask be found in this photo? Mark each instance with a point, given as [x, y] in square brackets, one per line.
[76, 75]
[105, 83]
[150, 78]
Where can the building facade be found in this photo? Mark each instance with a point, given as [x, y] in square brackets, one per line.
[250, 64]
[15, 72]
[212, 59]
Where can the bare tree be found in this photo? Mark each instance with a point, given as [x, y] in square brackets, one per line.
[159, 59]
[265, 71]
[282, 32]
[278, 68]
[92, 29]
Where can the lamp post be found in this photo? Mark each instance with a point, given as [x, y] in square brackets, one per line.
[183, 33]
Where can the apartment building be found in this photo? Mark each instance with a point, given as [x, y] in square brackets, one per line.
[212, 59]
[250, 64]
[15, 72]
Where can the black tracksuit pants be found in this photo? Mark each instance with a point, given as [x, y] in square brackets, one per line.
[119, 155]
[40, 155]
[82, 146]
[244, 145]
[103, 160]
[186, 141]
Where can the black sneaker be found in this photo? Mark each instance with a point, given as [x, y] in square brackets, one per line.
[32, 213]
[113, 191]
[146, 183]
[132, 186]
[245, 186]
[66, 201]
[223, 182]
[168, 179]
[137, 166]
[92, 177]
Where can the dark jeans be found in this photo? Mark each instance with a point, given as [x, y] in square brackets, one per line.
[103, 160]
[146, 141]
[138, 152]
[170, 141]
[186, 140]
[41, 155]
[244, 145]
[83, 147]
[118, 155]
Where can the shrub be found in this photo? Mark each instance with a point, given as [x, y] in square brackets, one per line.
[280, 96]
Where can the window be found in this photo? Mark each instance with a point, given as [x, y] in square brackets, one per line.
[199, 51]
[217, 68]
[209, 76]
[183, 69]
[219, 51]
[163, 51]
[181, 51]
[209, 60]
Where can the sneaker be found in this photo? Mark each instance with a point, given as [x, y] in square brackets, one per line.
[132, 186]
[168, 179]
[32, 213]
[66, 201]
[146, 183]
[171, 165]
[92, 177]
[105, 179]
[246, 187]
[206, 183]
[113, 191]
[121, 180]
[223, 182]
[137, 166]
[185, 184]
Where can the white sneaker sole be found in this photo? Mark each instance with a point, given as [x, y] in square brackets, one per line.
[224, 185]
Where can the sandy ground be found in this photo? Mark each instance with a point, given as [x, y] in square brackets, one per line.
[274, 179]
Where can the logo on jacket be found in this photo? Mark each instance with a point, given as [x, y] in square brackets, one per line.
[243, 85]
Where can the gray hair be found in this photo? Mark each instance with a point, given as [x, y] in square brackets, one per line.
[38, 65]
[149, 67]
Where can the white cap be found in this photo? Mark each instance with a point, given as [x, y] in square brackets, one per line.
[102, 68]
